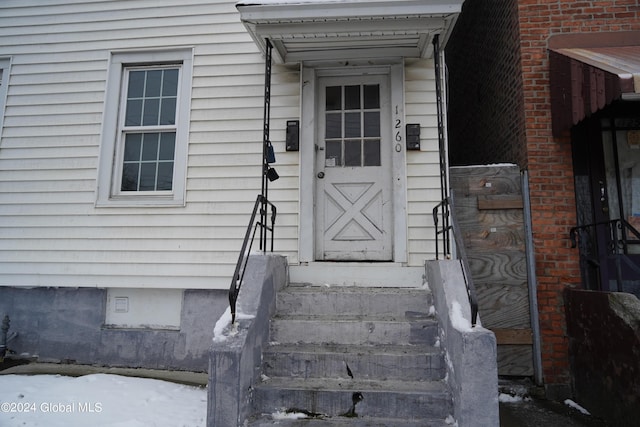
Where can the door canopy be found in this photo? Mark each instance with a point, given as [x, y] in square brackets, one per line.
[322, 30]
[590, 71]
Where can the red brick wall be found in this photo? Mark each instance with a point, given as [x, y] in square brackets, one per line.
[547, 159]
[485, 86]
[550, 164]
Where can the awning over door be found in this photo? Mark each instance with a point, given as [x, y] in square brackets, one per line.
[588, 72]
[308, 30]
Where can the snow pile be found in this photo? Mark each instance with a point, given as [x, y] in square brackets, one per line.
[287, 416]
[577, 407]
[99, 400]
[457, 318]
[223, 323]
[510, 398]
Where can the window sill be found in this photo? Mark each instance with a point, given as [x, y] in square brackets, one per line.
[140, 201]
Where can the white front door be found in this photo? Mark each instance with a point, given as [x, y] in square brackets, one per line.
[353, 211]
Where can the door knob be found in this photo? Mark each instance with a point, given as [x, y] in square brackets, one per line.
[321, 175]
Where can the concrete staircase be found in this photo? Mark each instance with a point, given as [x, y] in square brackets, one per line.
[344, 356]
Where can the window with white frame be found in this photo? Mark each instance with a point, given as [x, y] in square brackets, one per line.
[145, 130]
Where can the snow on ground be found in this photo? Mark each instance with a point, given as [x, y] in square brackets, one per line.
[99, 400]
[577, 407]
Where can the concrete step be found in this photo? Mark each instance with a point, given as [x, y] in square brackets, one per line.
[354, 330]
[352, 301]
[382, 362]
[280, 420]
[403, 400]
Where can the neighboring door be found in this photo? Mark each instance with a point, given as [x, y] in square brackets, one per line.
[353, 203]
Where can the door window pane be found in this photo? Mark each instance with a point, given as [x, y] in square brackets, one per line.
[352, 153]
[352, 97]
[372, 152]
[371, 97]
[333, 125]
[352, 125]
[333, 153]
[334, 98]
[372, 124]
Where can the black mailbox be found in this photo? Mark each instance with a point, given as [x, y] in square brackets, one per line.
[413, 136]
[293, 135]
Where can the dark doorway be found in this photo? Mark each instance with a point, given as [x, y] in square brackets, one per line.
[606, 158]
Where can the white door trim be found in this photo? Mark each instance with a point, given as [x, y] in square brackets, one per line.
[308, 122]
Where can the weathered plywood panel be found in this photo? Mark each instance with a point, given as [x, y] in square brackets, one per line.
[503, 266]
[485, 180]
[515, 360]
[503, 305]
[488, 204]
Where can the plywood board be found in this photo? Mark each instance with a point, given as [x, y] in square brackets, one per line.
[503, 305]
[488, 209]
[515, 360]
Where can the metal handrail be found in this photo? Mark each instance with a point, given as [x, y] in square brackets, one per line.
[249, 237]
[617, 248]
[449, 227]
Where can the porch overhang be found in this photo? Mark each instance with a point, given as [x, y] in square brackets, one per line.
[322, 30]
[588, 72]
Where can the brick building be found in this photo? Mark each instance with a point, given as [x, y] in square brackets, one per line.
[548, 85]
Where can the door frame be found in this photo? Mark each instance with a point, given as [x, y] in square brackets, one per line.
[308, 124]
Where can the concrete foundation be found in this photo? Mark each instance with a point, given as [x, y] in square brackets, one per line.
[67, 325]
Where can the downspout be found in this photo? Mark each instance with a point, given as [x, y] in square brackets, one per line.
[532, 280]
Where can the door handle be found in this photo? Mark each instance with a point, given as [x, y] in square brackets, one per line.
[320, 175]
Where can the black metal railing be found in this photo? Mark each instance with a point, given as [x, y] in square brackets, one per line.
[247, 244]
[604, 246]
[262, 202]
[449, 227]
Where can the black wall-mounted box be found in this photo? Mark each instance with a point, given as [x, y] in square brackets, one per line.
[293, 135]
[413, 136]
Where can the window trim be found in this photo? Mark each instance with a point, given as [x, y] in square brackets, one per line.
[5, 66]
[108, 192]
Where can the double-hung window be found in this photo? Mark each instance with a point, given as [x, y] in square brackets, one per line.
[145, 134]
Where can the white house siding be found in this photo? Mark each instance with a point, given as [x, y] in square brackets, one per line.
[423, 167]
[51, 233]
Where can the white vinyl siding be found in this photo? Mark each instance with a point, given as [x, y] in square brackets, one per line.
[51, 231]
[423, 166]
